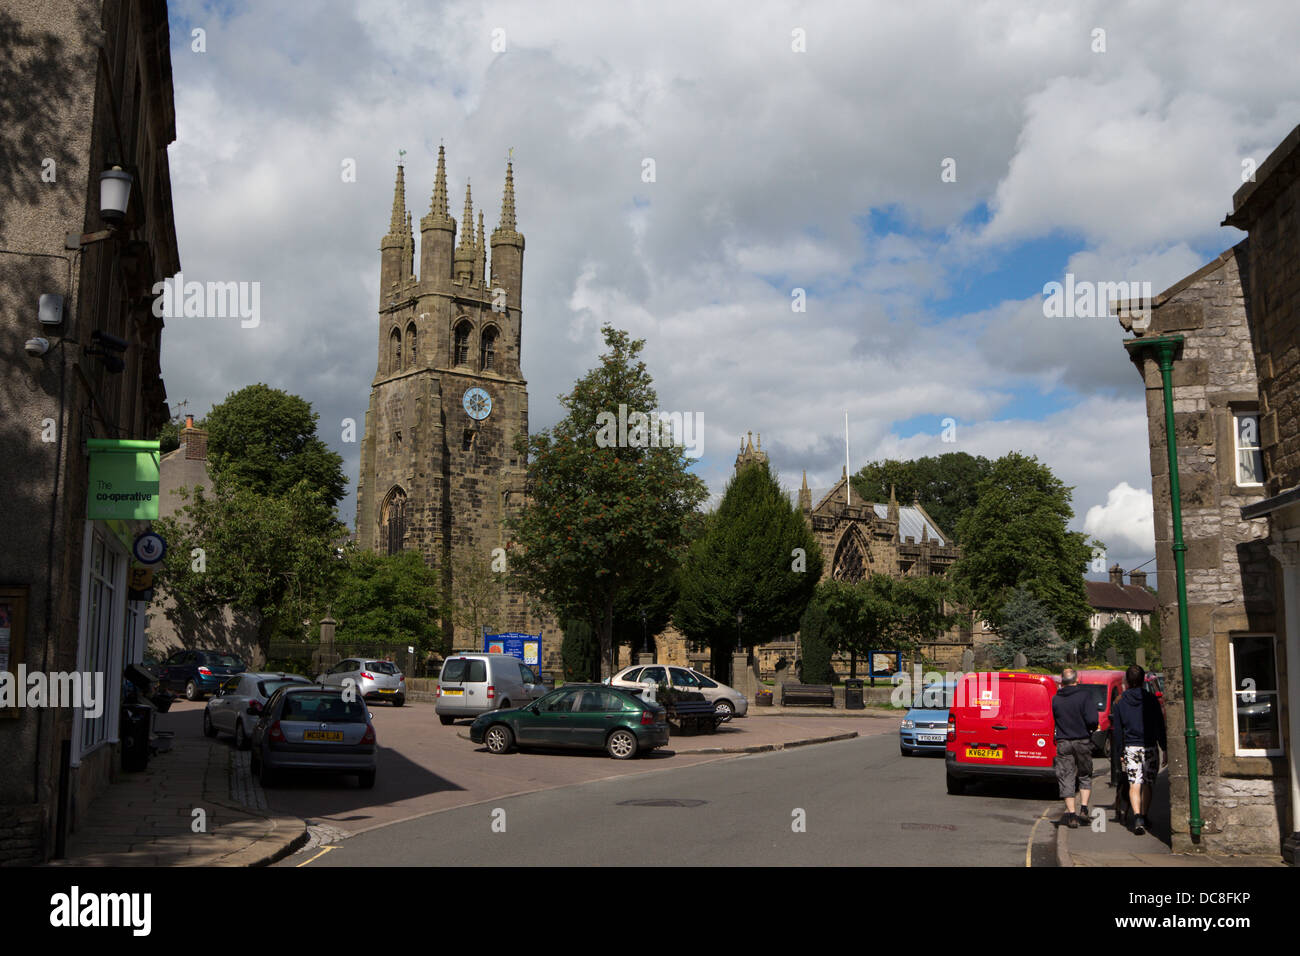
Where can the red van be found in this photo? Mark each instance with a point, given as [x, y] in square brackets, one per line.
[1001, 725]
[1105, 687]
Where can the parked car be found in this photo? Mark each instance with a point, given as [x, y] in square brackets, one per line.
[1001, 725]
[373, 679]
[198, 673]
[472, 684]
[727, 701]
[240, 701]
[310, 727]
[577, 716]
[1105, 686]
[925, 725]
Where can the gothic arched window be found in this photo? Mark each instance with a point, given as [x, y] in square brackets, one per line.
[487, 351]
[460, 354]
[411, 351]
[395, 350]
[851, 559]
[392, 522]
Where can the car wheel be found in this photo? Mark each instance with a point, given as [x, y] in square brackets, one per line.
[621, 744]
[241, 738]
[498, 739]
[192, 691]
[208, 729]
[399, 700]
[724, 709]
[956, 786]
[366, 779]
[446, 719]
[1105, 747]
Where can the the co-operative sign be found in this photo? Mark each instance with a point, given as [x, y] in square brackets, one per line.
[123, 478]
[526, 647]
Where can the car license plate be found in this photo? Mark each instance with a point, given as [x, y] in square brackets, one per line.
[382, 691]
[332, 735]
[984, 753]
[930, 738]
[452, 692]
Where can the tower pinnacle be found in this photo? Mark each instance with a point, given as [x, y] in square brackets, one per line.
[438, 204]
[398, 221]
[507, 223]
[467, 236]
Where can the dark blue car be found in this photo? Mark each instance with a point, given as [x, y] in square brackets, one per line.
[196, 674]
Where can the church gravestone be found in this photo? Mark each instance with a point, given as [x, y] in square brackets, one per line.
[1020, 661]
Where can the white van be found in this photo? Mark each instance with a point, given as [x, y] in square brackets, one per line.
[473, 684]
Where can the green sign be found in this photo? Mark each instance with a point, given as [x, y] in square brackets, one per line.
[123, 479]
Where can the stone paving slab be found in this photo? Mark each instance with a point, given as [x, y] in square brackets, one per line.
[147, 818]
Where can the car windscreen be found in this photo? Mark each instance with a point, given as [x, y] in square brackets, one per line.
[935, 697]
[266, 688]
[222, 660]
[464, 669]
[381, 667]
[323, 706]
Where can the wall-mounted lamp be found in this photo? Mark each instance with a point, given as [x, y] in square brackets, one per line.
[103, 345]
[37, 347]
[114, 194]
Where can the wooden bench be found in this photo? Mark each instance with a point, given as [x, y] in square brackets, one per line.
[815, 695]
[694, 717]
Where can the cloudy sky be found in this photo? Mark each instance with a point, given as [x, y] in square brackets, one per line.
[921, 171]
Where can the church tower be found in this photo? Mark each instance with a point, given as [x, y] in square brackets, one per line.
[439, 471]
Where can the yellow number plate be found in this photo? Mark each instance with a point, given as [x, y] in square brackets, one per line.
[984, 753]
[335, 735]
[382, 691]
[452, 692]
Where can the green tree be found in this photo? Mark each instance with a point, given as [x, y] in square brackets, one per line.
[268, 555]
[945, 486]
[756, 556]
[580, 651]
[886, 614]
[477, 591]
[607, 514]
[1026, 627]
[1150, 640]
[641, 614]
[816, 638]
[1121, 636]
[387, 599]
[265, 439]
[1016, 536]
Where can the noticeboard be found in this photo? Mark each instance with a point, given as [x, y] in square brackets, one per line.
[526, 647]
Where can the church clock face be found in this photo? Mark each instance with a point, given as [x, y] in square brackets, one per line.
[477, 404]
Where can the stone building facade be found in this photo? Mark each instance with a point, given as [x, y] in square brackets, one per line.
[1267, 209]
[88, 87]
[1113, 600]
[439, 471]
[1232, 608]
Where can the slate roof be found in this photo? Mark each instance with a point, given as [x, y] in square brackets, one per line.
[1104, 596]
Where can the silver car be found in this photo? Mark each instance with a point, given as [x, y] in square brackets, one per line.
[239, 702]
[373, 679]
[727, 701]
[314, 728]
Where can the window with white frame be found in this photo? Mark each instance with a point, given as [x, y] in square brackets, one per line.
[1255, 717]
[1249, 457]
[101, 631]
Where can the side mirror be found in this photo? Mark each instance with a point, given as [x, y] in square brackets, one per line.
[535, 712]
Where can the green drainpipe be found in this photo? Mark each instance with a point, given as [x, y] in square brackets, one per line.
[1165, 346]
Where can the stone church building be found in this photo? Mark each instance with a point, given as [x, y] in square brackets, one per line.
[439, 472]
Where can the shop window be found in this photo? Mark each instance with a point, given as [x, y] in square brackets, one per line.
[1255, 717]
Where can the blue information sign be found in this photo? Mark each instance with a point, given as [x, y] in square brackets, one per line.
[526, 647]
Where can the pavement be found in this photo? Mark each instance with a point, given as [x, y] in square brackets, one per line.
[196, 805]
[1110, 843]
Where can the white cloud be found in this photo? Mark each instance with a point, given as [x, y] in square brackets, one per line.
[1124, 522]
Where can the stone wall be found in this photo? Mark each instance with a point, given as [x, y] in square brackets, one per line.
[1230, 588]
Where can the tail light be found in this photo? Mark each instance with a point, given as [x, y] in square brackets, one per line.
[369, 736]
[254, 706]
[205, 672]
[647, 718]
[365, 676]
[437, 690]
[492, 692]
[275, 733]
[952, 726]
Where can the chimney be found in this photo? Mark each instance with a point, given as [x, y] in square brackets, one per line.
[195, 440]
[1137, 578]
[1116, 574]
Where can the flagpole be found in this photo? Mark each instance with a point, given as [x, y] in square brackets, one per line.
[848, 479]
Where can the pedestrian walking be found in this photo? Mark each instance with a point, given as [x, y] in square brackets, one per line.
[1118, 779]
[1138, 727]
[1075, 716]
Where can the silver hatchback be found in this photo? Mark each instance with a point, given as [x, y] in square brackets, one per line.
[239, 703]
[314, 728]
[727, 701]
[373, 679]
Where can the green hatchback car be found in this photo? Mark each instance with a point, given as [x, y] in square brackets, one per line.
[579, 716]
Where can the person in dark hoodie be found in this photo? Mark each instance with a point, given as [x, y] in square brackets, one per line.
[1075, 715]
[1138, 726]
